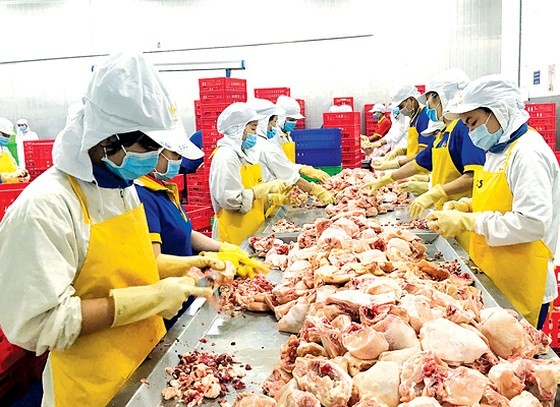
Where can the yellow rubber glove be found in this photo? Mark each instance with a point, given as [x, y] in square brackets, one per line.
[424, 201]
[464, 205]
[373, 186]
[165, 298]
[10, 177]
[179, 266]
[414, 187]
[272, 187]
[245, 266]
[325, 196]
[395, 153]
[314, 173]
[420, 177]
[376, 144]
[386, 165]
[451, 223]
[278, 200]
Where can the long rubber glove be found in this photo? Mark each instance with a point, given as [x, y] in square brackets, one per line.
[420, 177]
[414, 187]
[314, 173]
[272, 187]
[451, 223]
[245, 266]
[278, 199]
[386, 165]
[373, 186]
[179, 266]
[9, 177]
[376, 144]
[325, 196]
[165, 298]
[463, 205]
[424, 201]
[395, 153]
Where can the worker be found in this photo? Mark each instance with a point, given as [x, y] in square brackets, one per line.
[406, 98]
[383, 124]
[452, 158]
[394, 142]
[190, 166]
[9, 171]
[275, 165]
[88, 287]
[24, 133]
[236, 188]
[515, 209]
[286, 123]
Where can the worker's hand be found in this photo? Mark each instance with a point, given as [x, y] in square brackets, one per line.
[277, 186]
[314, 173]
[179, 266]
[395, 153]
[278, 200]
[420, 177]
[463, 205]
[365, 144]
[325, 196]
[165, 298]
[373, 186]
[376, 144]
[414, 187]
[386, 165]
[245, 266]
[451, 223]
[424, 201]
[9, 177]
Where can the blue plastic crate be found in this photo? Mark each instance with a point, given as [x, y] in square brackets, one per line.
[312, 139]
[319, 157]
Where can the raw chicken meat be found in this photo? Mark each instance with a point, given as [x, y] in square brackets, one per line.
[503, 379]
[525, 399]
[370, 401]
[423, 374]
[253, 400]
[398, 333]
[310, 348]
[355, 365]
[364, 342]
[492, 398]
[325, 380]
[381, 380]
[275, 381]
[451, 342]
[399, 356]
[288, 353]
[464, 386]
[422, 401]
[334, 237]
[291, 396]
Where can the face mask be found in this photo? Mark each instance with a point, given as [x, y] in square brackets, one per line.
[289, 126]
[22, 128]
[405, 112]
[173, 167]
[396, 111]
[377, 116]
[431, 113]
[134, 165]
[270, 133]
[483, 139]
[249, 141]
[4, 141]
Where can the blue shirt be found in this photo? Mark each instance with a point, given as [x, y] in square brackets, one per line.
[421, 123]
[464, 154]
[168, 223]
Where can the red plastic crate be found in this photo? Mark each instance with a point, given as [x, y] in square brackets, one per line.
[9, 353]
[271, 93]
[199, 215]
[210, 136]
[212, 110]
[38, 153]
[222, 97]
[421, 88]
[197, 107]
[552, 327]
[301, 103]
[541, 109]
[349, 100]
[219, 84]
[197, 180]
[543, 123]
[206, 232]
[557, 153]
[208, 124]
[179, 180]
[8, 194]
[201, 200]
[341, 119]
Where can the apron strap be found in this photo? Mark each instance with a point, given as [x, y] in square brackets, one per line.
[81, 197]
[508, 154]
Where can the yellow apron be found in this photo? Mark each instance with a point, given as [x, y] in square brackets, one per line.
[519, 270]
[7, 162]
[412, 145]
[97, 365]
[233, 226]
[290, 150]
[444, 171]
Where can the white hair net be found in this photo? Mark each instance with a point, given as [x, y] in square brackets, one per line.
[378, 107]
[6, 126]
[403, 93]
[499, 94]
[446, 85]
[232, 122]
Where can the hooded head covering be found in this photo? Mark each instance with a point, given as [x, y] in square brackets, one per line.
[291, 109]
[498, 94]
[6, 126]
[446, 85]
[267, 109]
[125, 94]
[403, 93]
[378, 107]
[232, 122]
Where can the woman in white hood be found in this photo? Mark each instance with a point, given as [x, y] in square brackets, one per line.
[236, 182]
[514, 213]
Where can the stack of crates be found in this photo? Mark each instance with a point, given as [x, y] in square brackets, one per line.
[38, 156]
[318, 147]
[421, 88]
[542, 116]
[200, 217]
[271, 93]
[348, 100]
[8, 194]
[349, 125]
[300, 124]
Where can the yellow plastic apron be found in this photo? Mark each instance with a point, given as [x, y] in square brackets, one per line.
[519, 271]
[97, 365]
[290, 150]
[233, 226]
[7, 162]
[412, 144]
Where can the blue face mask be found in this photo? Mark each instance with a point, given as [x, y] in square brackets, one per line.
[377, 116]
[483, 139]
[134, 165]
[396, 111]
[270, 133]
[289, 126]
[173, 167]
[22, 129]
[431, 113]
[249, 141]
[4, 141]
